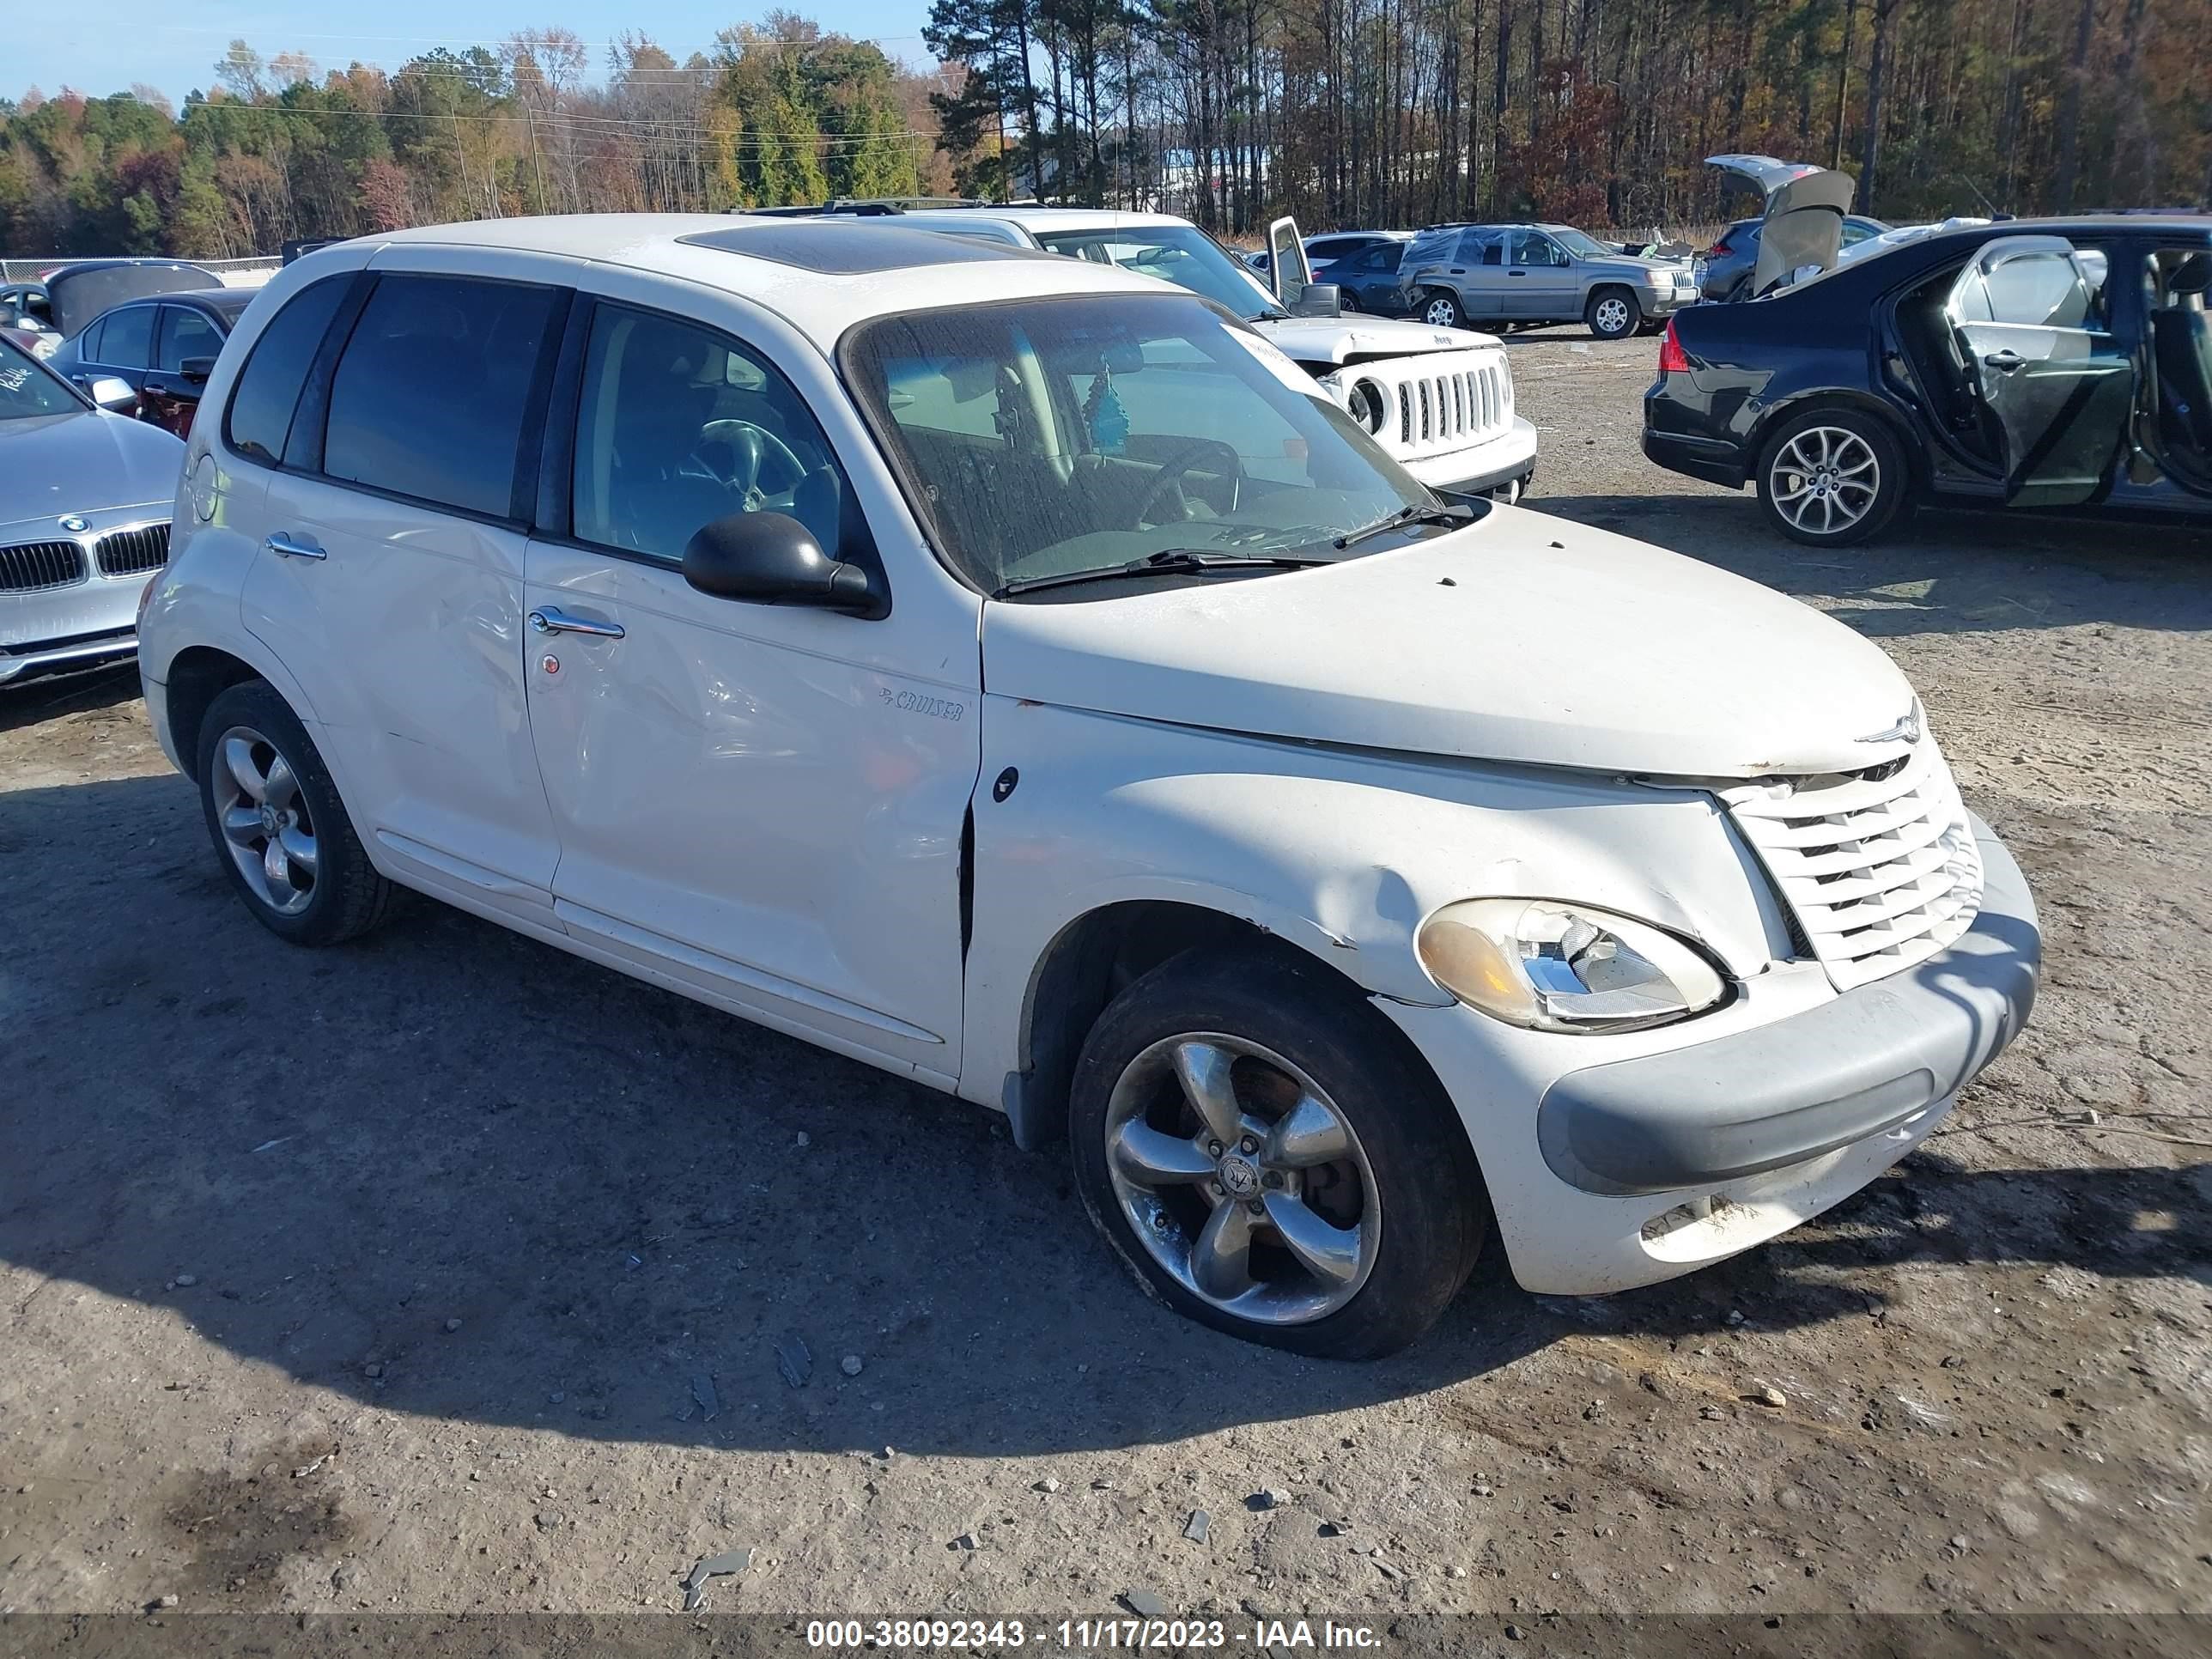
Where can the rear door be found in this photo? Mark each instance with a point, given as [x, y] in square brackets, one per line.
[391, 575]
[2028, 316]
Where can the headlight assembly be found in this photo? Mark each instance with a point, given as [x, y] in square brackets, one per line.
[1550, 965]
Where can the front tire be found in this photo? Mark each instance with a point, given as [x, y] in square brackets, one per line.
[278, 823]
[1612, 313]
[1264, 1153]
[1440, 308]
[1832, 478]
[1348, 302]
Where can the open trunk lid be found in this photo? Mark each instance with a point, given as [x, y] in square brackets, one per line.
[1803, 223]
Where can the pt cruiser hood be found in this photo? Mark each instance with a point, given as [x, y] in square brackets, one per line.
[1522, 638]
[1340, 340]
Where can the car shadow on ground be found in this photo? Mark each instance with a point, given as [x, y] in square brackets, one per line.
[27, 702]
[632, 1205]
[1939, 572]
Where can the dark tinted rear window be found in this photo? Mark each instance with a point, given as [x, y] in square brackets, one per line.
[261, 408]
[430, 391]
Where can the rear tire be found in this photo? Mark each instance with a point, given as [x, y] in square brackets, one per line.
[1440, 308]
[1348, 302]
[279, 829]
[1832, 477]
[1376, 1183]
[1612, 313]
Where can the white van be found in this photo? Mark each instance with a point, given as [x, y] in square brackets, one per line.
[1009, 672]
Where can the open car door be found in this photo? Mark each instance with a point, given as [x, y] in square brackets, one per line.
[1802, 227]
[1290, 273]
[2027, 316]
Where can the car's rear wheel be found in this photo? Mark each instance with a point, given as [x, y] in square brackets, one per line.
[276, 822]
[1347, 300]
[1612, 313]
[1441, 309]
[1832, 477]
[1264, 1155]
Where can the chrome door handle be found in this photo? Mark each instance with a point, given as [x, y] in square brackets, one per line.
[547, 620]
[286, 546]
[2007, 359]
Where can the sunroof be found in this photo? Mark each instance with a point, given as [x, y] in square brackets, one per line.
[849, 248]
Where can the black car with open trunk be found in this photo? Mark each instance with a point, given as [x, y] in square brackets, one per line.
[2060, 364]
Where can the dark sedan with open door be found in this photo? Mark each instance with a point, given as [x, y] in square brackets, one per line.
[2061, 363]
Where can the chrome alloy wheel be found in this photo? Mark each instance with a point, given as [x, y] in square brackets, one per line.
[1825, 480]
[1442, 312]
[1611, 315]
[265, 820]
[1243, 1179]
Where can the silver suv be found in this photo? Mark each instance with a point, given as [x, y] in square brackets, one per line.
[1532, 274]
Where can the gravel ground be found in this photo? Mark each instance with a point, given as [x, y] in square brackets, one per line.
[447, 1272]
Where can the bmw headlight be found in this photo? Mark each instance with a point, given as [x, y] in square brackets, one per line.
[1550, 965]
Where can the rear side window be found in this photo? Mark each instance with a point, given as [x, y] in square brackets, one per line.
[261, 408]
[430, 394]
[126, 338]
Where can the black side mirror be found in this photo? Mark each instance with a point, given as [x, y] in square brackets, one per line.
[1317, 300]
[770, 558]
[194, 371]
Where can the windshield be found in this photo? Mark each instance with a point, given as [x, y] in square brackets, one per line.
[1584, 247]
[1182, 254]
[27, 390]
[1091, 431]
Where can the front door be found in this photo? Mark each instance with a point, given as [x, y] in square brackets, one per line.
[170, 395]
[390, 579]
[1540, 282]
[2054, 389]
[760, 804]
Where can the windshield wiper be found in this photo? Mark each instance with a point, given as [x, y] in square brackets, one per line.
[1174, 561]
[1405, 517]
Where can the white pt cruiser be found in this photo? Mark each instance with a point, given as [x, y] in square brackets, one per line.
[1014, 673]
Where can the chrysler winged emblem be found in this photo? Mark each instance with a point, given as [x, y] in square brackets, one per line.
[1906, 731]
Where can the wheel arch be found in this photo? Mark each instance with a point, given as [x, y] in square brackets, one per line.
[200, 674]
[1845, 400]
[1096, 954]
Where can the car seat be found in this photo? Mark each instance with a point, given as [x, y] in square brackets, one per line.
[2181, 343]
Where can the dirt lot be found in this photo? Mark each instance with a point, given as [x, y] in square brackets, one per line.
[445, 1271]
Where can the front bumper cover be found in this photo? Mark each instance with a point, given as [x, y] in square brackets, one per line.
[1509, 458]
[1776, 1095]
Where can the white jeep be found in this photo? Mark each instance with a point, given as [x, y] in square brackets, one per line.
[1438, 399]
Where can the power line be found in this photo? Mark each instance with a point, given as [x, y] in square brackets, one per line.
[586, 123]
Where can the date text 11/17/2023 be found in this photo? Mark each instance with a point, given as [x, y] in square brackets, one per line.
[1090, 1635]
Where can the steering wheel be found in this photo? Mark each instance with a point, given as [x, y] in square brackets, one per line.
[1170, 477]
[749, 448]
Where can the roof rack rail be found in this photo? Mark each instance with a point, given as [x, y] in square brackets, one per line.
[860, 207]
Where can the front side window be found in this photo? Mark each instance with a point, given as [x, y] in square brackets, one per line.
[1182, 254]
[1086, 432]
[126, 338]
[260, 413]
[677, 427]
[27, 390]
[185, 335]
[1533, 248]
[430, 394]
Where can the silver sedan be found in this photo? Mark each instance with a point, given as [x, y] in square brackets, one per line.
[85, 497]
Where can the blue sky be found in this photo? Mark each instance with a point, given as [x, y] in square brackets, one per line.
[100, 46]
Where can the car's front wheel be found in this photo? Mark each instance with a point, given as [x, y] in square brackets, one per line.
[1612, 313]
[278, 823]
[1832, 477]
[1261, 1150]
[1347, 300]
[1441, 309]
